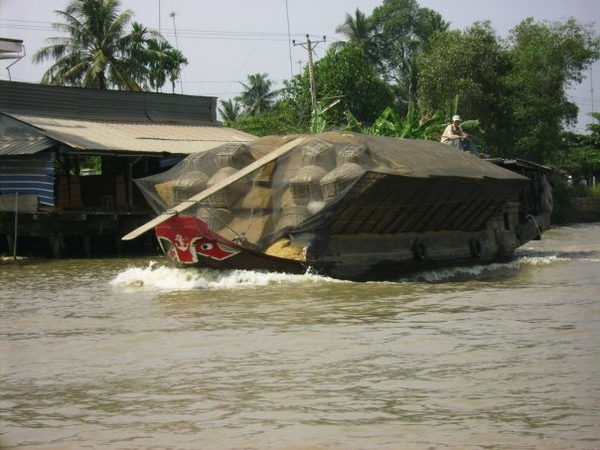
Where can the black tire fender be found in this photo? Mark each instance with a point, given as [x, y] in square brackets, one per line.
[419, 249]
[476, 248]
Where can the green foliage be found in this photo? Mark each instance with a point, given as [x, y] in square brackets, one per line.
[359, 31]
[514, 87]
[582, 161]
[166, 63]
[392, 124]
[280, 120]
[467, 65]
[594, 128]
[545, 59]
[593, 191]
[348, 75]
[517, 88]
[402, 30]
[230, 111]
[92, 162]
[579, 155]
[100, 52]
[317, 122]
[74, 165]
[564, 208]
[257, 97]
[345, 80]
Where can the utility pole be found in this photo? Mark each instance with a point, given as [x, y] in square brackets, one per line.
[287, 13]
[309, 45]
[592, 87]
[177, 48]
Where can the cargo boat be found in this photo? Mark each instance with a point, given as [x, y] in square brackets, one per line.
[345, 205]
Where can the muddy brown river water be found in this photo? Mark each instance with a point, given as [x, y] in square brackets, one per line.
[132, 354]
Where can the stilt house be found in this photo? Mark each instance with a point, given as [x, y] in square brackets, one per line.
[68, 158]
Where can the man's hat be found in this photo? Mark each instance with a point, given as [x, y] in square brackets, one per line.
[455, 118]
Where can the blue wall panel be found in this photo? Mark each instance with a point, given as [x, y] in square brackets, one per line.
[32, 175]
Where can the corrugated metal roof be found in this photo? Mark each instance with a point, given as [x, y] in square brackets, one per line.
[95, 135]
[105, 105]
[24, 145]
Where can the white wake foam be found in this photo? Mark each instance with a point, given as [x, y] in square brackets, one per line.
[542, 260]
[493, 270]
[465, 272]
[159, 277]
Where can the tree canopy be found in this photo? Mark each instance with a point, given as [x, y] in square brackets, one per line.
[517, 88]
[401, 67]
[358, 30]
[257, 97]
[101, 50]
[402, 30]
[346, 80]
[469, 66]
[545, 58]
[403, 72]
[400, 71]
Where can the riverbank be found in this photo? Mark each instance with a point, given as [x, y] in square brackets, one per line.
[587, 209]
[573, 210]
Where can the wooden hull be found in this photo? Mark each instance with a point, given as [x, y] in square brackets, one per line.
[188, 241]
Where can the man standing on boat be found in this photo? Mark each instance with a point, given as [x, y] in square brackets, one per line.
[454, 135]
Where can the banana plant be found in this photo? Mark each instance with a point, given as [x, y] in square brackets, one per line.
[390, 123]
[317, 121]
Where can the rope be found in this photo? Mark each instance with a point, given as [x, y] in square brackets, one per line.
[531, 218]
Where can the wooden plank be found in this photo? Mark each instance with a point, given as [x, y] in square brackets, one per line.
[211, 190]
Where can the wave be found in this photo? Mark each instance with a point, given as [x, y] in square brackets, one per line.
[462, 273]
[159, 277]
[495, 270]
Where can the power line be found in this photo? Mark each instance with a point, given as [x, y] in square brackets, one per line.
[183, 33]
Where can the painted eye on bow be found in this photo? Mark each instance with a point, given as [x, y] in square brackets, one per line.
[206, 246]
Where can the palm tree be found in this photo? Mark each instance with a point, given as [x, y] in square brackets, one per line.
[98, 51]
[257, 97]
[141, 56]
[357, 29]
[173, 64]
[230, 111]
[165, 61]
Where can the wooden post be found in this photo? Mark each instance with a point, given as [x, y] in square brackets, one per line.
[87, 246]
[16, 225]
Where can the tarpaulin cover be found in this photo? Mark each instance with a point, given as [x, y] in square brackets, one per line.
[335, 182]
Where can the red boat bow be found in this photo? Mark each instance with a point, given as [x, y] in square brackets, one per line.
[183, 238]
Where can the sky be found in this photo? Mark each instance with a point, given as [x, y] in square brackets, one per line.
[227, 40]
